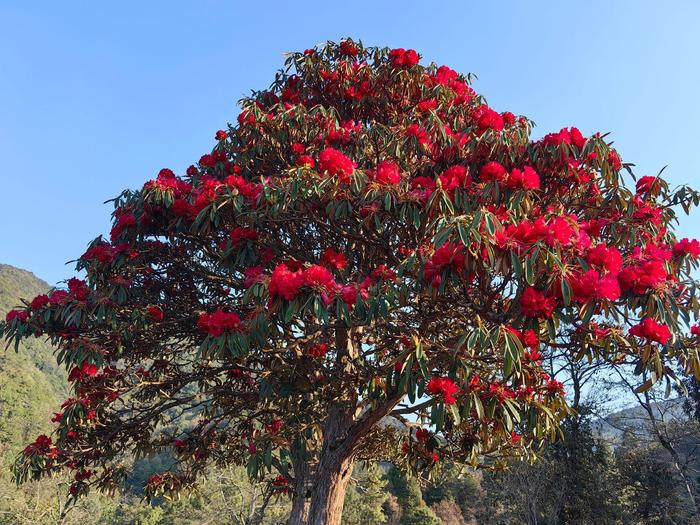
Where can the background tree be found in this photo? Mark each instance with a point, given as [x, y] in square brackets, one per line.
[370, 241]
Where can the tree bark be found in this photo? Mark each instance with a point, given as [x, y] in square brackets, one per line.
[328, 494]
[304, 479]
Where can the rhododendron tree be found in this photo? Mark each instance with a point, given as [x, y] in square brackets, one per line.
[371, 241]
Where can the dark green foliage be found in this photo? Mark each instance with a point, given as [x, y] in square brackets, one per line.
[456, 486]
[571, 485]
[365, 497]
[407, 490]
[651, 490]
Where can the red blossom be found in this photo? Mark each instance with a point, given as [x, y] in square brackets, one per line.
[525, 179]
[240, 234]
[648, 328]
[83, 371]
[78, 289]
[21, 315]
[592, 285]
[155, 313]
[418, 133]
[39, 302]
[534, 303]
[453, 178]
[444, 387]
[252, 275]
[333, 163]
[403, 57]
[500, 392]
[492, 172]
[318, 350]
[219, 322]
[305, 161]
[487, 119]
[348, 47]
[605, 257]
[285, 283]
[333, 259]
[387, 173]
[317, 275]
[687, 247]
[648, 184]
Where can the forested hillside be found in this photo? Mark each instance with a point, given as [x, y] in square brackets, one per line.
[31, 384]
[611, 471]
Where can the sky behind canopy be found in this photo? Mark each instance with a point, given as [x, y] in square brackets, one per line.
[96, 97]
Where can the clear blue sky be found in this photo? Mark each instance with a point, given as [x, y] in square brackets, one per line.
[97, 98]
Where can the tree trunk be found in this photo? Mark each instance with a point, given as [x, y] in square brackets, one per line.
[328, 495]
[320, 483]
[304, 481]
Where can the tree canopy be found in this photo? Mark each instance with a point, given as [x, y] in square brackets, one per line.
[371, 263]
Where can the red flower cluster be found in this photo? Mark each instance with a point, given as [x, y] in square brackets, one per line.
[565, 136]
[592, 285]
[318, 350]
[387, 173]
[487, 119]
[78, 289]
[39, 302]
[443, 386]
[452, 178]
[83, 371]
[528, 338]
[403, 57]
[347, 47]
[219, 322]
[648, 184]
[333, 259]
[650, 329]
[640, 278]
[687, 247]
[500, 392]
[448, 255]
[41, 446]
[605, 257]
[241, 233]
[333, 163]
[252, 275]
[317, 275]
[558, 230]
[534, 303]
[418, 133]
[286, 283]
[525, 179]
[21, 315]
[492, 172]
[422, 434]
[155, 313]
[274, 426]
[281, 484]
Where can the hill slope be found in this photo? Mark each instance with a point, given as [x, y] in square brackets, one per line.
[31, 384]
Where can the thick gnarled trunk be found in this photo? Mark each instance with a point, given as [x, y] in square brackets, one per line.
[328, 495]
[320, 482]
